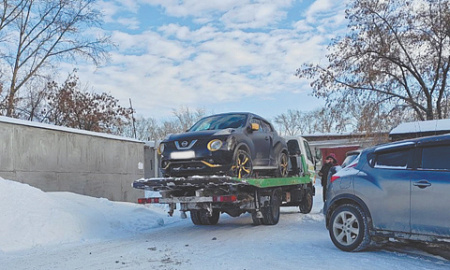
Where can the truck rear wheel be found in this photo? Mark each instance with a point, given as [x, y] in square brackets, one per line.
[307, 202]
[257, 221]
[200, 217]
[195, 217]
[271, 212]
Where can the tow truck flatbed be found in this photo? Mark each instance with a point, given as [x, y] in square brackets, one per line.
[172, 183]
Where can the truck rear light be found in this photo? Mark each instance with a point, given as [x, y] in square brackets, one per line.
[334, 177]
[227, 198]
[148, 200]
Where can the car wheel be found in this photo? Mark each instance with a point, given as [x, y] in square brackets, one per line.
[348, 228]
[242, 165]
[282, 165]
[306, 203]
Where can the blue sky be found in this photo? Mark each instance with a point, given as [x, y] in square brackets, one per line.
[217, 55]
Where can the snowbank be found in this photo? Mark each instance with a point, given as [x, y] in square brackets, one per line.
[422, 126]
[31, 217]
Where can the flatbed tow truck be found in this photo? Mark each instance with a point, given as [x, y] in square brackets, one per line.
[207, 196]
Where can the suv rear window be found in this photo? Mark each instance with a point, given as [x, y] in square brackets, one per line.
[392, 160]
[436, 158]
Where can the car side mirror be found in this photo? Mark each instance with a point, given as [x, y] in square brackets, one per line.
[254, 126]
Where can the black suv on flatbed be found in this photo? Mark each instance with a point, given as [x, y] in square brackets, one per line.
[236, 144]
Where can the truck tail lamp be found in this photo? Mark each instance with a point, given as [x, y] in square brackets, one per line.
[225, 198]
[148, 200]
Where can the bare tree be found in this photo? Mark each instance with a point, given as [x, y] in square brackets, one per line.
[30, 105]
[186, 118]
[147, 129]
[396, 52]
[38, 33]
[322, 120]
[71, 107]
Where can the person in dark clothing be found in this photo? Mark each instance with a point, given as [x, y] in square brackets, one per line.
[330, 161]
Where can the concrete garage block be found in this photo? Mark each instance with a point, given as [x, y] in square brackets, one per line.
[73, 153]
[46, 181]
[94, 187]
[105, 156]
[136, 152]
[130, 194]
[113, 187]
[73, 182]
[36, 150]
[7, 154]
[55, 158]
[9, 176]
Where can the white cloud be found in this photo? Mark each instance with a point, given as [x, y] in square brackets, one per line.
[113, 12]
[177, 65]
[323, 9]
[130, 23]
[253, 15]
[235, 13]
[195, 8]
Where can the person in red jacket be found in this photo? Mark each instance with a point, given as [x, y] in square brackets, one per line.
[330, 161]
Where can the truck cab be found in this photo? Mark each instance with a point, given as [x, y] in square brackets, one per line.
[299, 151]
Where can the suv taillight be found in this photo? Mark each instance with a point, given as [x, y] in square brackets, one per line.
[334, 177]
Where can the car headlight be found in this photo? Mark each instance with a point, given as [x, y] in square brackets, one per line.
[160, 148]
[214, 145]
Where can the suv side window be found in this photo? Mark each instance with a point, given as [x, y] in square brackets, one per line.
[436, 158]
[392, 160]
[266, 127]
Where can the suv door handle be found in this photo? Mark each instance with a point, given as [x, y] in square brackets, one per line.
[422, 184]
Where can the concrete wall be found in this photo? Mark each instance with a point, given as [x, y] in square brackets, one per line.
[54, 158]
[151, 159]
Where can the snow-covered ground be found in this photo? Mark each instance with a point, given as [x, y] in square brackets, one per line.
[59, 230]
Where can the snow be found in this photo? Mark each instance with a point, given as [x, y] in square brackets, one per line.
[61, 230]
[422, 126]
[33, 218]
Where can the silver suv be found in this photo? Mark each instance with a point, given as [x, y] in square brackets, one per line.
[397, 190]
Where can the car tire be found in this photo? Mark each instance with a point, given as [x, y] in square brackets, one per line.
[349, 228]
[282, 165]
[306, 203]
[242, 165]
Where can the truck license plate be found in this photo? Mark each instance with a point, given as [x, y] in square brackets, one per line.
[182, 155]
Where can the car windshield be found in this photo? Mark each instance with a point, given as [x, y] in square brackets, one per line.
[217, 122]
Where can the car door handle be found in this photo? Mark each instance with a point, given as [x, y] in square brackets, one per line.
[422, 184]
[267, 138]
